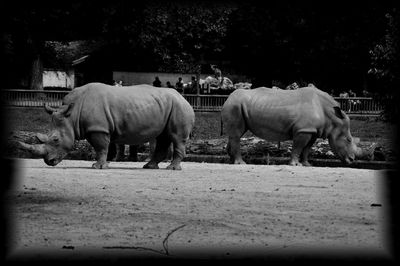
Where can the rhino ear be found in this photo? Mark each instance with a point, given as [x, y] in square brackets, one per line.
[338, 112]
[66, 109]
[50, 110]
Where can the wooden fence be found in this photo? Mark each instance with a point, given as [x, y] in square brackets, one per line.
[200, 102]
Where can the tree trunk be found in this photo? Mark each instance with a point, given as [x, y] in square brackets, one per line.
[36, 82]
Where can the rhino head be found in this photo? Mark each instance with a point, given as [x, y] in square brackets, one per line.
[56, 144]
[342, 142]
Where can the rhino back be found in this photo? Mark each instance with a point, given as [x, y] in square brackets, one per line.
[131, 114]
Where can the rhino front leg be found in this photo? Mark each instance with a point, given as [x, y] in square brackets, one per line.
[306, 151]
[300, 141]
[233, 149]
[100, 143]
[112, 151]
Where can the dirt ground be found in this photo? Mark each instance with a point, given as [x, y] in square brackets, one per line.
[204, 211]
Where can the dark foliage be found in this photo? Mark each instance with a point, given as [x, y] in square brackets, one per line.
[333, 46]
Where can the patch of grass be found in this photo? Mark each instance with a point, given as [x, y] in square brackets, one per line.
[26, 119]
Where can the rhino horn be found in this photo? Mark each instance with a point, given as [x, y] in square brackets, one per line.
[49, 109]
[37, 149]
[42, 137]
[366, 153]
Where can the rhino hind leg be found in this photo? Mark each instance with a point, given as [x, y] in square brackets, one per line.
[100, 143]
[233, 149]
[178, 153]
[235, 125]
[160, 152]
[302, 143]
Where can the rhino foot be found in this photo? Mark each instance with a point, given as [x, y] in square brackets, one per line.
[98, 165]
[151, 165]
[239, 161]
[295, 163]
[174, 167]
[306, 163]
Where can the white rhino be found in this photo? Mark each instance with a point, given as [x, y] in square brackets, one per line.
[277, 115]
[132, 115]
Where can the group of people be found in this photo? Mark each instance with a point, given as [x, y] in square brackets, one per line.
[179, 85]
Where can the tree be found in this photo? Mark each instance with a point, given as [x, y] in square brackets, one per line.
[385, 63]
[181, 34]
[29, 26]
[323, 44]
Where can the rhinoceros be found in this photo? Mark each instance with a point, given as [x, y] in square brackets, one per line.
[301, 115]
[133, 115]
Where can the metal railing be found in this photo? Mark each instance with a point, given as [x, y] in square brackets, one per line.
[199, 102]
[360, 105]
[31, 98]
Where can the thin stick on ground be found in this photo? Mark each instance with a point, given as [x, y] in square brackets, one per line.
[165, 244]
[165, 241]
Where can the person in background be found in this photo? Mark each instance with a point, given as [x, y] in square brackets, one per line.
[194, 85]
[217, 74]
[179, 85]
[352, 93]
[118, 83]
[157, 82]
[311, 85]
[169, 85]
[366, 93]
[344, 95]
[293, 86]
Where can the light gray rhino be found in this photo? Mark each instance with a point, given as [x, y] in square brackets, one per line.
[301, 115]
[126, 115]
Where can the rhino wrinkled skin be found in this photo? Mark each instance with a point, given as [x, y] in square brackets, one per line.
[301, 115]
[122, 115]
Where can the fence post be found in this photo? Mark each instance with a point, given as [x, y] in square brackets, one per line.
[198, 95]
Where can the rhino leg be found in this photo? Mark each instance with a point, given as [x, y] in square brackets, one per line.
[178, 153]
[112, 151]
[160, 152]
[233, 149]
[300, 142]
[133, 153]
[100, 143]
[120, 153]
[306, 151]
[152, 148]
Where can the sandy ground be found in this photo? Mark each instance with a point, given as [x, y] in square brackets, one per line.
[204, 211]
